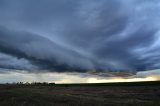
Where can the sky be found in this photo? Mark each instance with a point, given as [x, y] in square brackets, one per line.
[85, 37]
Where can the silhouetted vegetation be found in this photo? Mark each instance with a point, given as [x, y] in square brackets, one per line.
[145, 83]
[32, 83]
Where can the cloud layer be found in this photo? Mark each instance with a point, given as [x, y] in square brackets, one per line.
[69, 35]
[74, 77]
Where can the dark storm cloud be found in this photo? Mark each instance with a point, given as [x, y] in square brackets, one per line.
[69, 35]
[9, 62]
[39, 50]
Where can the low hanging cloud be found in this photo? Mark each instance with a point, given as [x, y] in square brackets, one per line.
[10, 62]
[80, 35]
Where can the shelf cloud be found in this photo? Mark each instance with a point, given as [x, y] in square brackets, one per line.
[77, 36]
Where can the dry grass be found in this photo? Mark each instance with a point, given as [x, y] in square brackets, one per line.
[79, 96]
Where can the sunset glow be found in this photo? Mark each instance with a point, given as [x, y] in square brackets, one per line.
[120, 79]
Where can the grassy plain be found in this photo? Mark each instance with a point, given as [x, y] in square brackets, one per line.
[104, 94]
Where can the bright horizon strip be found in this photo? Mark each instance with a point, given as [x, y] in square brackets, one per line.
[120, 79]
[113, 79]
[22, 76]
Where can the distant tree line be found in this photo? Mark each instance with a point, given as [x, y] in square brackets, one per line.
[32, 83]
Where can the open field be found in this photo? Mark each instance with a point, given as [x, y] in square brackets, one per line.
[119, 94]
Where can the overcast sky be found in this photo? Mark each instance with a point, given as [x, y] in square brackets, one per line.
[79, 35]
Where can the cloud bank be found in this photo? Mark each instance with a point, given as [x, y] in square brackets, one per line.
[74, 77]
[69, 35]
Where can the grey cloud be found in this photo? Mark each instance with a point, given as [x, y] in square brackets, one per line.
[148, 73]
[41, 51]
[9, 62]
[81, 35]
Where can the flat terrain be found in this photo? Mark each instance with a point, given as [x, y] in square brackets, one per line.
[80, 95]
